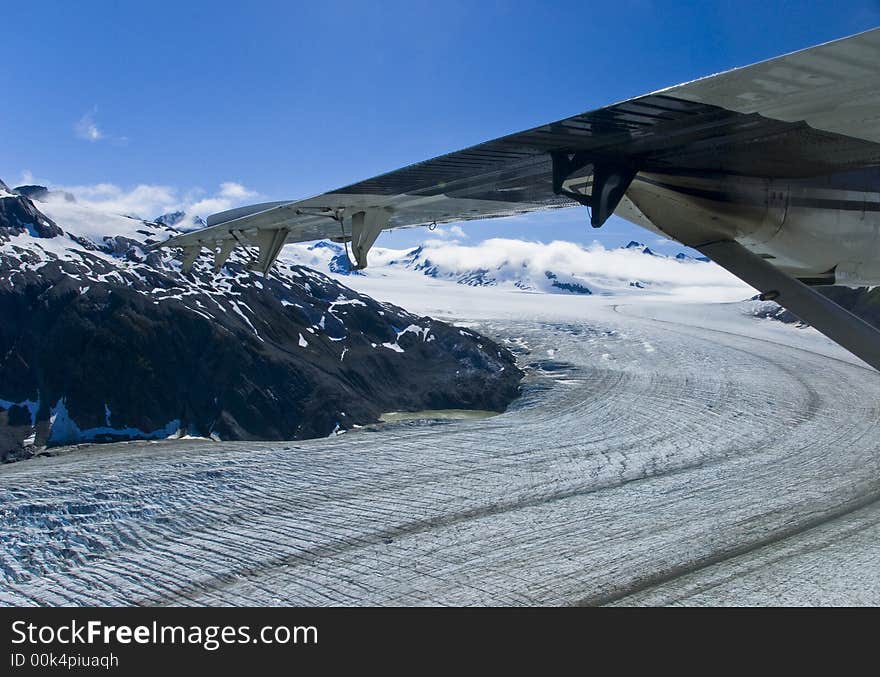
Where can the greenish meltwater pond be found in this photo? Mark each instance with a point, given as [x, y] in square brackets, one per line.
[437, 414]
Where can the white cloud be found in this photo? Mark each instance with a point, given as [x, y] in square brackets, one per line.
[86, 128]
[458, 231]
[561, 256]
[597, 267]
[148, 201]
[235, 191]
[144, 200]
[27, 178]
[230, 195]
[447, 233]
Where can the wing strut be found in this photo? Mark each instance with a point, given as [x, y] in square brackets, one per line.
[838, 324]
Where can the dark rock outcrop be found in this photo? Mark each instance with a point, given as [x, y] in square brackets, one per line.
[19, 215]
[110, 341]
[862, 301]
[572, 287]
[41, 193]
[32, 192]
[632, 244]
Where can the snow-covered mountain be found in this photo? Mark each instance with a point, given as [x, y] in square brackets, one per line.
[556, 267]
[181, 221]
[102, 338]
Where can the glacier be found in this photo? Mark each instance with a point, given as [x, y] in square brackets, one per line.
[662, 452]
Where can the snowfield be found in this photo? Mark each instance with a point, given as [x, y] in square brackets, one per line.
[518, 265]
[662, 453]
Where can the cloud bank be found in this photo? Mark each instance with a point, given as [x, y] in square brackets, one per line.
[147, 201]
[503, 255]
[557, 267]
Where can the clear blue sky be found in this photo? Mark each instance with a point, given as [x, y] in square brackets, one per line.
[292, 99]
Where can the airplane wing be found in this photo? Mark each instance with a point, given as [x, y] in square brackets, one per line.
[741, 157]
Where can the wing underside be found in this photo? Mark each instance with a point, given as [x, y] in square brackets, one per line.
[810, 113]
[814, 113]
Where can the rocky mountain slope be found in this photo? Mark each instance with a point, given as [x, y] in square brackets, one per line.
[103, 339]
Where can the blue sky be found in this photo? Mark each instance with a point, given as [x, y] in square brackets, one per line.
[223, 102]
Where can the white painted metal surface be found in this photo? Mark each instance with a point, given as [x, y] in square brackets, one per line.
[835, 87]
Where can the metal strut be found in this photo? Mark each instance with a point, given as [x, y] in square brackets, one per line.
[838, 324]
[610, 182]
